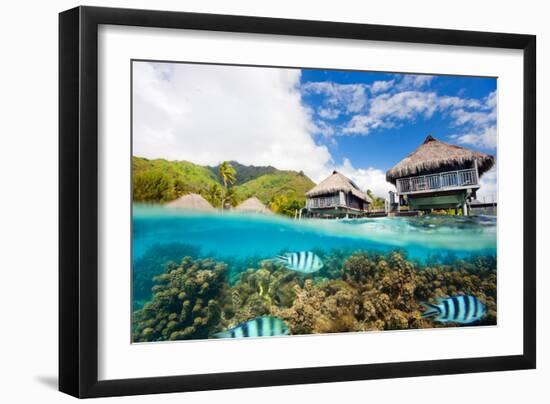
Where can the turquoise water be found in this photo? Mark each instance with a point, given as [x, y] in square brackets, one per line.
[252, 284]
[225, 234]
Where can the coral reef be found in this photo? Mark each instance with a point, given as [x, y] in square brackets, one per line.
[259, 291]
[153, 263]
[475, 277]
[330, 306]
[185, 303]
[356, 291]
[333, 263]
[384, 293]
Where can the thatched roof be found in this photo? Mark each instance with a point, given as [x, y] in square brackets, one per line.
[190, 201]
[253, 205]
[335, 183]
[434, 156]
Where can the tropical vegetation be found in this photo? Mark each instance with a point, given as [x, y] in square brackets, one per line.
[162, 180]
[377, 202]
[228, 175]
[226, 184]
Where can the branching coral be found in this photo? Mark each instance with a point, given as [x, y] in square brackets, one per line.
[259, 290]
[382, 293]
[333, 262]
[153, 263]
[448, 280]
[185, 303]
[370, 292]
[330, 306]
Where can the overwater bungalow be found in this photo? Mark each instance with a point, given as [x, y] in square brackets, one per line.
[337, 196]
[191, 201]
[253, 205]
[438, 175]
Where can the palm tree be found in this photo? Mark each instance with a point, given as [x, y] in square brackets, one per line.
[230, 197]
[228, 173]
[229, 176]
[214, 195]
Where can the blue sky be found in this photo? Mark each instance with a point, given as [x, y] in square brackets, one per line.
[315, 121]
[339, 97]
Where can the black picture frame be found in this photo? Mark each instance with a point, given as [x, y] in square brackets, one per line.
[78, 200]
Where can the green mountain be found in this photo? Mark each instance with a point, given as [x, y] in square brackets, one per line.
[162, 180]
[291, 184]
[244, 173]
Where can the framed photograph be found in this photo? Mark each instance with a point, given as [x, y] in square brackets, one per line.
[251, 201]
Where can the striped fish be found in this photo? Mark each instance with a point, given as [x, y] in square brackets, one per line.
[463, 309]
[265, 326]
[303, 261]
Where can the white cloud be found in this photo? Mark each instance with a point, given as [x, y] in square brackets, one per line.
[404, 105]
[449, 102]
[346, 97]
[207, 114]
[328, 113]
[324, 129]
[488, 190]
[381, 86]
[414, 81]
[369, 178]
[474, 118]
[400, 101]
[387, 110]
[486, 138]
[361, 125]
[491, 100]
[480, 125]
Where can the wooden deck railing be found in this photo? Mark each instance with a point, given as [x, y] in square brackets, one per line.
[445, 180]
[323, 202]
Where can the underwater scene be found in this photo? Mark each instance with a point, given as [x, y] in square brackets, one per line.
[280, 201]
[199, 275]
